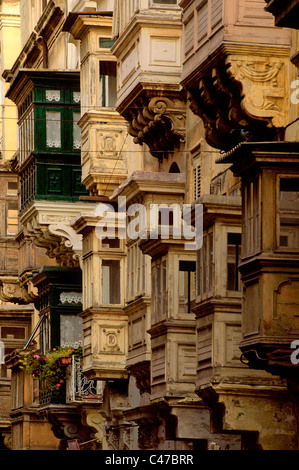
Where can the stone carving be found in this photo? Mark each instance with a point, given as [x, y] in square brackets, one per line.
[111, 340]
[158, 122]
[112, 438]
[263, 86]
[76, 96]
[94, 420]
[11, 290]
[148, 436]
[142, 374]
[49, 227]
[241, 99]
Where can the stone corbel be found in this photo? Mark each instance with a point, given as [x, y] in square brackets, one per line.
[94, 420]
[70, 245]
[59, 240]
[148, 433]
[142, 375]
[242, 98]
[158, 122]
[12, 290]
[49, 227]
[66, 425]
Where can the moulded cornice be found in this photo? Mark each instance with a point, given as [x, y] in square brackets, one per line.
[151, 182]
[78, 24]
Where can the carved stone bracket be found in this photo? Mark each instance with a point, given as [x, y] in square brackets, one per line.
[141, 373]
[94, 420]
[14, 291]
[120, 437]
[148, 434]
[66, 425]
[158, 122]
[241, 98]
[49, 227]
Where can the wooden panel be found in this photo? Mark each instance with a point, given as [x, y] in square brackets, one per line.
[158, 364]
[189, 35]
[204, 347]
[216, 13]
[202, 23]
[232, 341]
[186, 362]
[253, 12]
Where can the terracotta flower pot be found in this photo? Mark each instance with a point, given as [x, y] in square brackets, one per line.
[64, 361]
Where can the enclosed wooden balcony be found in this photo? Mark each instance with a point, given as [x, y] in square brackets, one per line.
[148, 83]
[235, 70]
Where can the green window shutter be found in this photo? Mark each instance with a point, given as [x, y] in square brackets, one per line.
[106, 43]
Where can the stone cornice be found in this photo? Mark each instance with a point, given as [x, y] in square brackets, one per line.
[77, 23]
[151, 182]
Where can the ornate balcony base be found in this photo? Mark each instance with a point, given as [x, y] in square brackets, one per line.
[241, 96]
[47, 225]
[158, 121]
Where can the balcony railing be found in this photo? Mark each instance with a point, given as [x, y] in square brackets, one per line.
[76, 389]
[79, 388]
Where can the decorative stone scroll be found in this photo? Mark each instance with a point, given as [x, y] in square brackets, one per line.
[158, 122]
[12, 290]
[49, 227]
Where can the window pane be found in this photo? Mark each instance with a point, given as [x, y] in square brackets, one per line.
[210, 236]
[12, 218]
[53, 129]
[289, 213]
[107, 84]
[233, 259]
[110, 243]
[111, 282]
[204, 264]
[186, 285]
[70, 330]
[106, 43]
[76, 131]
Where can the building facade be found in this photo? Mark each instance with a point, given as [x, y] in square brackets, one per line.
[139, 121]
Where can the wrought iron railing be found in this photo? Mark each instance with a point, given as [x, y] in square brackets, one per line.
[79, 388]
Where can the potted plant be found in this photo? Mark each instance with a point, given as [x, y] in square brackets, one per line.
[50, 368]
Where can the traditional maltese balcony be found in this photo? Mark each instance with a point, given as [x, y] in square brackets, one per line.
[49, 160]
[149, 92]
[104, 321]
[235, 70]
[103, 130]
